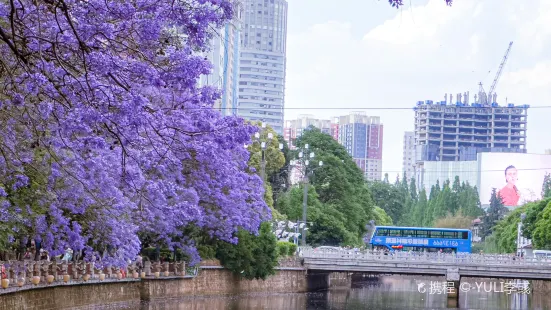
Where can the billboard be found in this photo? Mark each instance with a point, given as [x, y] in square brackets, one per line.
[517, 177]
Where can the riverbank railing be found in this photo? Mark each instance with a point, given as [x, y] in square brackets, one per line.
[23, 274]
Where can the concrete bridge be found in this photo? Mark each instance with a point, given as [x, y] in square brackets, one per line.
[449, 265]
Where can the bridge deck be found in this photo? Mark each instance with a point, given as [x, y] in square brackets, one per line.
[469, 265]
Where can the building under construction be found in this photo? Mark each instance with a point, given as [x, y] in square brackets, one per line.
[451, 135]
[457, 130]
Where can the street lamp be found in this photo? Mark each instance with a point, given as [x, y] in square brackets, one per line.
[305, 157]
[263, 146]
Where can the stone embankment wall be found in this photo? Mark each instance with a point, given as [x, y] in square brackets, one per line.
[222, 282]
[214, 281]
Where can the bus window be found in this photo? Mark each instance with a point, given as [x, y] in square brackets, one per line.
[435, 234]
[394, 232]
[422, 233]
[449, 235]
[465, 235]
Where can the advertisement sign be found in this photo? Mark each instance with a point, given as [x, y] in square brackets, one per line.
[517, 177]
[420, 242]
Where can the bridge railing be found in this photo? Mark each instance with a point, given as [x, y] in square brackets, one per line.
[443, 258]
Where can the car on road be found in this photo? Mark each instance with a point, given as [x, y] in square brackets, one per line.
[327, 249]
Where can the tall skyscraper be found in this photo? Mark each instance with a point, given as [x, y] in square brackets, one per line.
[262, 62]
[224, 56]
[362, 136]
[408, 160]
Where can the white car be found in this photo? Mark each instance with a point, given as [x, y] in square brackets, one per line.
[330, 249]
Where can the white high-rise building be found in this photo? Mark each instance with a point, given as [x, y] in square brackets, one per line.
[224, 55]
[408, 160]
[262, 62]
[294, 128]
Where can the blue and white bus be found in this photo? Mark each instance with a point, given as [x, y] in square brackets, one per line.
[422, 239]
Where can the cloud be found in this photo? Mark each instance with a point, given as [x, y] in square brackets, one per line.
[422, 53]
[420, 24]
[475, 42]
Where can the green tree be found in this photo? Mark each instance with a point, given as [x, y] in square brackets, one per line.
[404, 186]
[328, 223]
[421, 206]
[390, 198]
[274, 157]
[432, 205]
[469, 201]
[253, 257]
[533, 216]
[30, 209]
[280, 180]
[339, 183]
[542, 233]
[443, 202]
[411, 208]
[381, 218]
[454, 203]
[489, 245]
[506, 230]
[413, 190]
[494, 214]
[546, 187]
[458, 221]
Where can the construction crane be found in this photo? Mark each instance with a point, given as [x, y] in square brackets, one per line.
[484, 98]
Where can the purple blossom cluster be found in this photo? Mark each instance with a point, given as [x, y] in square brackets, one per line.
[105, 135]
[400, 3]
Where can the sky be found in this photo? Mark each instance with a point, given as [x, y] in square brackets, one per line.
[354, 55]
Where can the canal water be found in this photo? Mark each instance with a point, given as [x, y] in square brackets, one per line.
[385, 292]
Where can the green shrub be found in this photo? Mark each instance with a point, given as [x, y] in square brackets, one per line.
[292, 248]
[206, 251]
[285, 248]
[253, 257]
[282, 248]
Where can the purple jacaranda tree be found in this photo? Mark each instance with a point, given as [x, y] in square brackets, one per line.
[400, 3]
[104, 133]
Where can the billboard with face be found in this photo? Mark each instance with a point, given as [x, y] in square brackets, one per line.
[517, 177]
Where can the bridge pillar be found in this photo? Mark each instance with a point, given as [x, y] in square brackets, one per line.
[453, 279]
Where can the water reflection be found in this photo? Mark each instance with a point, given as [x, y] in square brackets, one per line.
[272, 301]
[387, 292]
